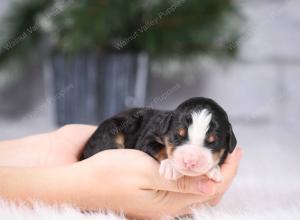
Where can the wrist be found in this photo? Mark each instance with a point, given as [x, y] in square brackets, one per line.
[49, 185]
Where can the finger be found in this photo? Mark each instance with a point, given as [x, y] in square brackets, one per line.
[76, 135]
[195, 185]
[215, 201]
[230, 166]
[229, 171]
[235, 155]
[185, 201]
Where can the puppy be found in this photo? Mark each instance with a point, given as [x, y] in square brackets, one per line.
[192, 140]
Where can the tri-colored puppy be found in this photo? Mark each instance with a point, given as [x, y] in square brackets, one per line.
[192, 140]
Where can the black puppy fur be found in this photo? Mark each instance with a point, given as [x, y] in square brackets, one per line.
[158, 133]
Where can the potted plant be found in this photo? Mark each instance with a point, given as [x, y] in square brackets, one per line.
[102, 48]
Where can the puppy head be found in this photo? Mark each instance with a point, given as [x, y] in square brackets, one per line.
[199, 136]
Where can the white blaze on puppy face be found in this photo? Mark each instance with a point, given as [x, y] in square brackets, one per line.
[200, 125]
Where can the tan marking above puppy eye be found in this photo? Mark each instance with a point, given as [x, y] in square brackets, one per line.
[211, 138]
[182, 132]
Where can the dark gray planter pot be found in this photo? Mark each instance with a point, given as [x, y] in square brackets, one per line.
[89, 88]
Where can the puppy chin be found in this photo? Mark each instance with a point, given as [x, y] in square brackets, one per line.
[190, 172]
[193, 172]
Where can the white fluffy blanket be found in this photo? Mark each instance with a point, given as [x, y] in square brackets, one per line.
[267, 187]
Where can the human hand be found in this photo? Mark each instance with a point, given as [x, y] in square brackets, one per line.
[128, 181]
[229, 170]
[111, 179]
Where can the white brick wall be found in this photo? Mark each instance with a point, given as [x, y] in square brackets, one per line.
[256, 87]
[273, 30]
[3, 6]
[261, 86]
[274, 42]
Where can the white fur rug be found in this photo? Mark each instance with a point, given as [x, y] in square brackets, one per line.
[267, 186]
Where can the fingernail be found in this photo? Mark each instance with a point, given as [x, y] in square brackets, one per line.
[205, 187]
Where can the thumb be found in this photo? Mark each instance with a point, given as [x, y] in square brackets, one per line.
[196, 185]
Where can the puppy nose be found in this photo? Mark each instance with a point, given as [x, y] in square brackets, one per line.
[191, 161]
[190, 164]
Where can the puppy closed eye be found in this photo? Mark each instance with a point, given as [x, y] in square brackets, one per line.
[211, 138]
[182, 132]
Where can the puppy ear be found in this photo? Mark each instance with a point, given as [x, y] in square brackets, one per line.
[165, 122]
[231, 140]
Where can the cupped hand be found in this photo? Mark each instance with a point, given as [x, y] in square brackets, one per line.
[120, 180]
[128, 181]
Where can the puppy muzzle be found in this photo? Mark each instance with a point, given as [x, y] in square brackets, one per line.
[192, 160]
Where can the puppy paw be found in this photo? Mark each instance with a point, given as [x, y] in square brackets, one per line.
[167, 170]
[215, 174]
